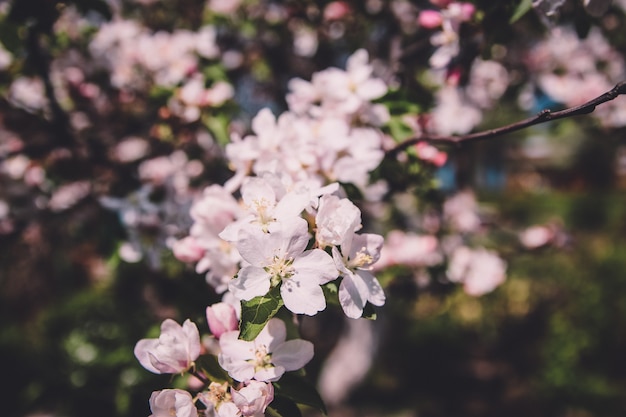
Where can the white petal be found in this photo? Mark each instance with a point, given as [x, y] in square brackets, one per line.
[251, 282]
[193, 339]
[316, 265]
[269, 374]
[291, 235]
[376, 295]
[293, 354]
[141, 353]
[273, 334]
[255, 246]
[352, 296]
[302, 296]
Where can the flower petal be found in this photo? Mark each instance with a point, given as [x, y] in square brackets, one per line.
[302, 295]
[293, 354]
[251, 282]
[352, 296]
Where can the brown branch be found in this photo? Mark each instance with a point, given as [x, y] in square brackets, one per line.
[543, 116]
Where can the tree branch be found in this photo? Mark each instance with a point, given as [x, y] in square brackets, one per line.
[543, 116]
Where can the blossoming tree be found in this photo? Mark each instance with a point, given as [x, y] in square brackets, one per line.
[287, 202]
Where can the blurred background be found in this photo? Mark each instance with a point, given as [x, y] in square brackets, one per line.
[93, 94]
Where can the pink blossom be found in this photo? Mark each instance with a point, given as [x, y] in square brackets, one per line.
[188, 249]
[431, 154]
[28, 93]
[354, 262]
[173, 352]
[336, 10]
[68, 195]
[6, 58]
[441, 3]
[280, 258]
[408, 249]
[172, 403]
[224, 7]
[479, 270]
[131, 149]
[536, 236]
[221, 318]
[461, 211]
[253, 398]
[267, 357]
[454, 113]
[336, 217]
[429, 19]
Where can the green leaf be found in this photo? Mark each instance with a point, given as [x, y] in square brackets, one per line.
[300, 391]
[331, 293]
[522, 9]
[257, 312]
[369, 312]
[210, 366]
[283, 407]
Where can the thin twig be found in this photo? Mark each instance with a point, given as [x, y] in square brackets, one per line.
[543, 116]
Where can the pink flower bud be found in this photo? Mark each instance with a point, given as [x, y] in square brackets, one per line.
[441, 3]
[467, 11]
[221, 318]
[429, 19]
[188, 250]
[336, 10]
[431, 154]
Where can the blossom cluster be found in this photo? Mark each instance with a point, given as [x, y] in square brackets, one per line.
[279, 225]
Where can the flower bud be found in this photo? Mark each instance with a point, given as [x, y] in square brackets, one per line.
[429, 19]
[221, 318]
[188, 250]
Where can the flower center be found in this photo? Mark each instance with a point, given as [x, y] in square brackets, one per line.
[261, 206]
[217, 394]
[262, 359]
[361, 259]
[280, 269]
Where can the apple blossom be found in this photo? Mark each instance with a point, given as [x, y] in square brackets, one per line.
[172, 403]
[173, 352]
[188, 249]
[253, 398]
[279, 258]
[265, 358]
[336, 217]
[217, 399]
[480, 270]
[358, 286]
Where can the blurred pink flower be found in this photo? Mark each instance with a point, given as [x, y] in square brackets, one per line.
[188, 249]
[431, 154]
[336, 10]
[479, 270]
[429, 19]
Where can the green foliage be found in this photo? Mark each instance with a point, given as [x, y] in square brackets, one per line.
[297, 389]
[257, 312]
[523, 7]
[210, 366]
